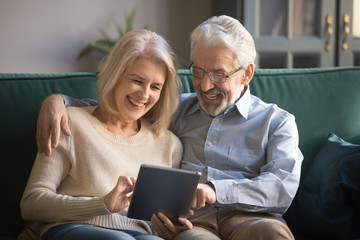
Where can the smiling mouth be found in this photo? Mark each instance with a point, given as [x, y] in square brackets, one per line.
[211, 97]
[138, 104]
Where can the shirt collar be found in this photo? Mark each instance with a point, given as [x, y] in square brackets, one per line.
[243, 104]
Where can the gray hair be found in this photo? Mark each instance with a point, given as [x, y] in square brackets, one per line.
[225, 31]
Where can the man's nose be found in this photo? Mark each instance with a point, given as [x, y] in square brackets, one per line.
[206, 83]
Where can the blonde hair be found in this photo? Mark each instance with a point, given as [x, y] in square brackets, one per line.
[225, 31]
[135, 44]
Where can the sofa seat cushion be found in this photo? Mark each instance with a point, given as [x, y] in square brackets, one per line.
[327, 204]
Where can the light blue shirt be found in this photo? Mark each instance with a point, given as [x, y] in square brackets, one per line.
[249, 154]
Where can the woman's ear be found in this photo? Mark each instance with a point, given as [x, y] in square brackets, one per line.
[248, 74]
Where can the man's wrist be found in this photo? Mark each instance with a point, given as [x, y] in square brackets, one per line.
[211, 185]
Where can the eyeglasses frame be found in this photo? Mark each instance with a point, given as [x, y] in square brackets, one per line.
[226, 76]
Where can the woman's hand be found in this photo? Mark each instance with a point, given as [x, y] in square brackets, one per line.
[119, 198]
[52, 116]
[166, 229]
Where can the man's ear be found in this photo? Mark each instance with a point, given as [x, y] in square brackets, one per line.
[248, 74]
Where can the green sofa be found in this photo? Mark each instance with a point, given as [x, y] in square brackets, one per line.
[323, 100]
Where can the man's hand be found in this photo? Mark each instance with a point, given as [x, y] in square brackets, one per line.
[204, 194]
[119, 198]
[166, 229]
[52, 116]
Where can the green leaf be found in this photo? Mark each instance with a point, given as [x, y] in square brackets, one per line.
[105, 45]
[83, 52]
[101, 46]
[129, 20]
[105, 35]
[119, 30]
[147, 27]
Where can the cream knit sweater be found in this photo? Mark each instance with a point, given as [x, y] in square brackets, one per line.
[69, 186]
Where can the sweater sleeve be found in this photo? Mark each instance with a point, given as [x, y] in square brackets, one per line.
[41, 202]
[177, 152]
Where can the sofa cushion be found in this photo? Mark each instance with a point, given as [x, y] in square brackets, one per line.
[328, 201]
[323, 100]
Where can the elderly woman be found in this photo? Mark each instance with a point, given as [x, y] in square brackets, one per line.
[81, 190]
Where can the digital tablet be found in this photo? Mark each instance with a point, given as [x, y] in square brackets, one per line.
[163, 189]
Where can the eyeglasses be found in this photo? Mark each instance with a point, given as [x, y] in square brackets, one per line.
[216, 77]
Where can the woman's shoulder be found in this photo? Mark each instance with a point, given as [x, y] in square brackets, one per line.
[80, 112]
[171, 136]
[165, 136]
[80, 115]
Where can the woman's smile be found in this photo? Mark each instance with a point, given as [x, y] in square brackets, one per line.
[136, 103]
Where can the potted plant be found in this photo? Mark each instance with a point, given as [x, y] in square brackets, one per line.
[104, 45]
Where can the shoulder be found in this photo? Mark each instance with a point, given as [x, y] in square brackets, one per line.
[80, 117]
[172, 138]
[188, 98]
[258, 106]
[165, 137]
[188, 101]
[80, 111]
[168, 139]
[271, 115]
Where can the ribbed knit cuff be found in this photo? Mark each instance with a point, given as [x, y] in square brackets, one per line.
[83, 208]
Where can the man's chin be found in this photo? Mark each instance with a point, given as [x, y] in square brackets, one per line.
[212, 106]
[212, 110]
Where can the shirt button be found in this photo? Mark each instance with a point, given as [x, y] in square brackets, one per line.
[210, 144]
[252, 152]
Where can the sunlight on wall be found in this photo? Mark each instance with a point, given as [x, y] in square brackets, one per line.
[356, 18]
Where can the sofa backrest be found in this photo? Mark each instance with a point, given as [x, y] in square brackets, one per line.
[323, 100]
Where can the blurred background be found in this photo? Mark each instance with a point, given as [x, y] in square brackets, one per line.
[47, 36]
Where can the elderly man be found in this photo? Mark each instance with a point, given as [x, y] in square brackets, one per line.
[246, 149]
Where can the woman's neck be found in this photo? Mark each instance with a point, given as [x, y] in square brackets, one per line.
[115, 125]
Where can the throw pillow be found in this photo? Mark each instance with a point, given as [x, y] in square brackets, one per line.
[327, 205]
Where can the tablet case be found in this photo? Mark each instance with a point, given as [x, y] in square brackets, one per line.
[163, 189]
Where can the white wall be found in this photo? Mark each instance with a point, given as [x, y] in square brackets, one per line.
[45, 36]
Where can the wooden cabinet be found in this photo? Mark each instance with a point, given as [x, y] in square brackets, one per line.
[299, 33]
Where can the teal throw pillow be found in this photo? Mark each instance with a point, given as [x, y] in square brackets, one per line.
[327, 205]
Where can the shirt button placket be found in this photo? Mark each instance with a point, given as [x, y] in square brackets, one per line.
[211, 140]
